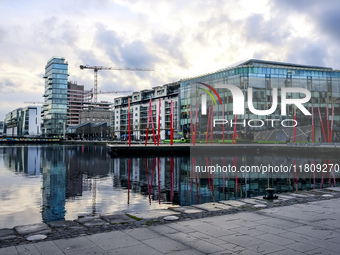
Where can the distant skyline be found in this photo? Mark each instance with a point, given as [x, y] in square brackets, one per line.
[178, 39]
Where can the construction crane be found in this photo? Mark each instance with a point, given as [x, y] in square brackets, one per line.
[113, 92]
[110, 92]
[33, 102]
[96, 68]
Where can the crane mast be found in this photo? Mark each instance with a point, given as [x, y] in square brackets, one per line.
[97, 68]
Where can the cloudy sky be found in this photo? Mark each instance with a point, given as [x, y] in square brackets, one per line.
[178, 39]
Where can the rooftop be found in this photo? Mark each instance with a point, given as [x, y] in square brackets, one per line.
[274, 63]
[265, 63]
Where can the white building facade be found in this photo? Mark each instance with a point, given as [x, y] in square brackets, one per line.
[139, 113]
[24, 121]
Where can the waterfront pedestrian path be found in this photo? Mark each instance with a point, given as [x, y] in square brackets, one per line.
[297, 223]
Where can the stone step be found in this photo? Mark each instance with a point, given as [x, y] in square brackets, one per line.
[152, 214]
[186, 209]
[212, 206]
[234, 203]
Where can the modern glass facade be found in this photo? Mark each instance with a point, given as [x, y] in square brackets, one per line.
[262, 77]
[54, 113]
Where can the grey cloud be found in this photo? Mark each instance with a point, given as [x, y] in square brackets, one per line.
[134, 54]
[109, 42]
[325, 15]
[257, 29]
[87, 57]
[308, 52]
[7, 86]
[303, 6]
[2, 35]
[171, 45]
[330, 23]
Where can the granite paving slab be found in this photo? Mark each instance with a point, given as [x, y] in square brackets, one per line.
[212, 206]
[48, 247]
[165, 245]
[92, 221]
[233, 203]
[205, 247]
[186, 209]
[285, 196]
[27, 249]
[78, 243]
[117, 218]
[40, 228]
[266, 247]
[153, 214]
[336, 189]
[187, 252]
[7, 234]
[112, 240]
[141, 233]
[251, 201]
[298, 195]
[9, 251]
[65, 224]
[242, 240]
[139, 249]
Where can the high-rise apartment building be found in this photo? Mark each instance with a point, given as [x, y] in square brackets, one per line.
[54, 113]
[77, 100]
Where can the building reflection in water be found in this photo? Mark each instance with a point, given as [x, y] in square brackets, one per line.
[54, 183]
[151, 177]
[184, 187]
[73, 173]
[22, 159]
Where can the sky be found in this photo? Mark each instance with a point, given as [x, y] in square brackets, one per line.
[178, 39]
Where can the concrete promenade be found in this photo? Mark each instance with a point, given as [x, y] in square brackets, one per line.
[303, 228]
[309, 150]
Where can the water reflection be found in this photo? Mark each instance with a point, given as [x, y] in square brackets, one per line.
[83, 180]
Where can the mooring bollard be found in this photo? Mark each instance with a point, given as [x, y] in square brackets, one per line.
[270, 194]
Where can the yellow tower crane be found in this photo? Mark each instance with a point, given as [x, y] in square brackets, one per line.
[96, 68]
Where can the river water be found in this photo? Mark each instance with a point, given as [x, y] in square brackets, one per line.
[42, 183]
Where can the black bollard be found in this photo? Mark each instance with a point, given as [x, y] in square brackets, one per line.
[270, 194]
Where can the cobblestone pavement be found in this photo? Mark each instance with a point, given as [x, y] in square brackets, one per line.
[297, 223]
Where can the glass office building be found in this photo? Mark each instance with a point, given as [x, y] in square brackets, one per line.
[54, 113]
[262, 77]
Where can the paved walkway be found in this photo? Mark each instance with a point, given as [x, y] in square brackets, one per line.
[312, 228]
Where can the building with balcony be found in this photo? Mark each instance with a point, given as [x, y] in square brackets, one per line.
[139, 110]
[24, 121]
[12, 122]
[54, 113]
[77, 99]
